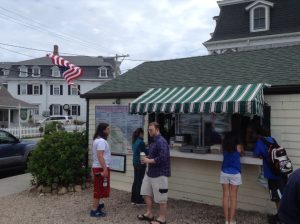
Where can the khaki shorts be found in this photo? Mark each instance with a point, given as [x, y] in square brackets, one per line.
[156, 188]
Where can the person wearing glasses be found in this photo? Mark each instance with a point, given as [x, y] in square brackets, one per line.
[155, 183]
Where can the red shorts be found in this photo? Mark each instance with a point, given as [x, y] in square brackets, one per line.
[99, 190]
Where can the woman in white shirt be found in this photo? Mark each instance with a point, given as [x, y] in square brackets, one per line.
[101, 171]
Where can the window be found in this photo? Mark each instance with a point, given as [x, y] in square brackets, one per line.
[36, 111]
[56, 89]
[36, 89]
[23, 71]
[75, 110]
[74, 90]
[5, 72]
[23, 89]
[56, 109]
[102, 72]
[259, 18]
[55, 71]
[36, 71]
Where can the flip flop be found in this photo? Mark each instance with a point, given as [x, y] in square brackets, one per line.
[157, 221]
[145, 218]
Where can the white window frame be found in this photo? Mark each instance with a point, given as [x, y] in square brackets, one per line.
[5, 72]
[55, 71]
[74, 90]
[39, 90]
[36, 111]
[38, 74]
[100, 72]
[23, 71]
[23, 89]
[260, 4]
[55, 107]
[55, 88]
[74, 108]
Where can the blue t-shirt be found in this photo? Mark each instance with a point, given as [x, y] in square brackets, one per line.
[261, 150]
[289, 209]
[231, 162]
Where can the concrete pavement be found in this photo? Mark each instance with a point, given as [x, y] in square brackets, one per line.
[15, 184]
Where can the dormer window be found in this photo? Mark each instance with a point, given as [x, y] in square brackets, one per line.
[55, 71]
[23, 71]
[5, 72]
[259, 12]
[102, 72]
[36, 71]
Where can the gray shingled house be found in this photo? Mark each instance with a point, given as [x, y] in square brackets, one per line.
[196, 176]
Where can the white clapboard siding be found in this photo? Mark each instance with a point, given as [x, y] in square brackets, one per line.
[198, 180]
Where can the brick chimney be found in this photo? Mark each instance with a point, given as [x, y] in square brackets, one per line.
[55, 50]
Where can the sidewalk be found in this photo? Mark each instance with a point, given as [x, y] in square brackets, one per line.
[15, 184]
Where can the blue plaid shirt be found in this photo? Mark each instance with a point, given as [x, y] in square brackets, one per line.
[159, 151]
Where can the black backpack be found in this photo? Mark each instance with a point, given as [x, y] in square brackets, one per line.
[279, 162]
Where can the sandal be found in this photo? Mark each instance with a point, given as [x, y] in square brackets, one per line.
[145, 218]
[155, 221]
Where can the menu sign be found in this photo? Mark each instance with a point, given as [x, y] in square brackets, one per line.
[122, 125]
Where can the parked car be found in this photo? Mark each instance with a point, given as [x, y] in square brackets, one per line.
[14, 154]
[60, 118]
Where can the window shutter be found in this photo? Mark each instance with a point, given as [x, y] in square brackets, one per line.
[69, 112]
[51, 108]
[60, 110]
[29, 89]
[19, 89]
[78, 110]
[51, 89]
[78, 89]
[61, 89]
[69, 90]
[41, 89]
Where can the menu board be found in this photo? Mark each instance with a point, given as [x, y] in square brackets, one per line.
[122, 125]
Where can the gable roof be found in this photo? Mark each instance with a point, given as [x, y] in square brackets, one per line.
[233, 21]
[276, 66]
[8, 101]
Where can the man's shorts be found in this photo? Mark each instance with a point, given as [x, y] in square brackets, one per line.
[101, 191]
[276, 188]
[233, 179]
[156, 187]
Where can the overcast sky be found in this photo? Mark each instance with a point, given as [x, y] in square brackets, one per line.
[144, 29]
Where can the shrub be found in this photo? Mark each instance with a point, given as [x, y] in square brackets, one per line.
[78, 122]
[51, 127]
[59, 158]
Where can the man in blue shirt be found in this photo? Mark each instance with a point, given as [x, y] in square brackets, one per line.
[155, 183]
[289, 209]
[276, 184]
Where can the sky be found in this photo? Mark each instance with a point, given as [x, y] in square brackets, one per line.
[143, 29]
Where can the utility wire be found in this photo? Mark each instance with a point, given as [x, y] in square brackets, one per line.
[16, 52]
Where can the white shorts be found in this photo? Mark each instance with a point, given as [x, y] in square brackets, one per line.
[156, 188]
[234, 179]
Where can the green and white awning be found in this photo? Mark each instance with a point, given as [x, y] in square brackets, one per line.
[219, 99]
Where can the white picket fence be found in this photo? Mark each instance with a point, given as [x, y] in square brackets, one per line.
[32, 132]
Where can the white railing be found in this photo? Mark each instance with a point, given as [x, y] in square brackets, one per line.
[31, 132]
[24, 132]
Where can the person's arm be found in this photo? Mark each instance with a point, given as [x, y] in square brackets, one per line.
[163, 154]
[257, 150]
[100, 155]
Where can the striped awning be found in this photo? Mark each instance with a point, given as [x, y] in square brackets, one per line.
[219, 99]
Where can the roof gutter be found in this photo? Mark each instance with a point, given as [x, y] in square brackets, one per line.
[282, 89]
[120, 95]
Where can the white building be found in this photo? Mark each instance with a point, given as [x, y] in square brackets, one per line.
[41, 83]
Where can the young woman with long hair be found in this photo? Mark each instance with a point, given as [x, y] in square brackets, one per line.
[138, 146]
[100, 167]
[230, 177]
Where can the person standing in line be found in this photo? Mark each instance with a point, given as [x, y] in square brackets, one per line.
[289, 208]
[100, 167]
[155, 182]
[138, 146]
[230, 177]
[276, 183]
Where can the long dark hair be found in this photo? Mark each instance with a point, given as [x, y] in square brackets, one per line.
[136, 134]
[230, 142]
[100, 131]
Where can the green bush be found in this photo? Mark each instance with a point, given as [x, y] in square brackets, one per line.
[51, 127]
[59, 158]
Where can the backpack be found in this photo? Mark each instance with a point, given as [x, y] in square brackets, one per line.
[279, 162]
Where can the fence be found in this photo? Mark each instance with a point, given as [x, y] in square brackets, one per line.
[31, 132]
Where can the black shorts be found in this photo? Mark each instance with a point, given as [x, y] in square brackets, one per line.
[276, 188]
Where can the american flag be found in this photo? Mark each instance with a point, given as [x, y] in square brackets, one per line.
[69, 71]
